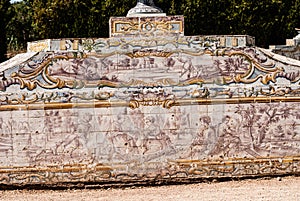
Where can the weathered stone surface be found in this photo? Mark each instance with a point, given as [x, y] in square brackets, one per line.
[156, 107]
[145, 8]
[291, 49]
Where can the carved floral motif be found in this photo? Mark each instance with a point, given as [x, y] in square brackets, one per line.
[141, 113]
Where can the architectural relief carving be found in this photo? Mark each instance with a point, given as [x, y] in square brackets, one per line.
[179, 69]
[148, 103]
[100, 138]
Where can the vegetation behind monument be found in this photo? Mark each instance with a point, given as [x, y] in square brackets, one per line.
[270, 21]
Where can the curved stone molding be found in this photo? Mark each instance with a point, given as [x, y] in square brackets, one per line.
[147, 104]
[173, 68]
[100, 173]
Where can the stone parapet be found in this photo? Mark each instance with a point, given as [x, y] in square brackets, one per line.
[291, 49]
[159, 42]
[147, 105]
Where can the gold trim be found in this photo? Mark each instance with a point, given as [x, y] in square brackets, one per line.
[55, 169]
[136, 103]
[232, 161]
[145, 54]
[174, 169]
[235, 42]
[267, 73]
[181, 162]
[235, 100]
[129, 27]
[62, 44]
[38, 46]
[76, 45]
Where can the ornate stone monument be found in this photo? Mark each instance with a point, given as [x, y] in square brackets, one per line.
[147, 104]
[145, 19]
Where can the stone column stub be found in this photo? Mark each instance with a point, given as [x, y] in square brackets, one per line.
[297, 38]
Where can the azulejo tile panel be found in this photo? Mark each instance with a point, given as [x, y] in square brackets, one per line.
[159, 144]
[154, 107]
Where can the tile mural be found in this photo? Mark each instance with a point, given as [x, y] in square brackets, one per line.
[157, 107]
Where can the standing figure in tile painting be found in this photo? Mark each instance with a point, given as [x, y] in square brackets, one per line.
[204, 142]
[6, 141]
[228, 137]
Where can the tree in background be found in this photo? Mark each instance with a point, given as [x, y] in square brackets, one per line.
[294, 15]
[73, 18]
[19, 29]
[269, 21]
[4, 17]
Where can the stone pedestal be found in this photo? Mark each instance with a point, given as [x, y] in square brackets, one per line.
[146, 26]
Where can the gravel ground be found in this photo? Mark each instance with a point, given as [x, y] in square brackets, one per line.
[286, 188]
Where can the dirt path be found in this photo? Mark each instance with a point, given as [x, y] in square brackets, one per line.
[286, 188]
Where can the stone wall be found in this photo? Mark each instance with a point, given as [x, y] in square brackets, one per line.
[143, 114]
[121, 144]
[147, 108]
[291, 49]
[288, 51]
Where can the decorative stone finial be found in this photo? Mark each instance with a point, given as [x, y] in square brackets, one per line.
[297, 38]
[145, 8]
[146, 2]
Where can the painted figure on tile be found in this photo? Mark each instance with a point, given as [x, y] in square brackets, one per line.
[123, 136]
[138, 124]
[154, 140]
[228, 137]
[205, 139]
[78, 138]
[65, 139]
[187, 66]
[119, 123]
[176, 123]
[6, 142]
[137, 117]
[151, 128]
[53, 123]
[123, 146]
[173, 125]
[169, 62]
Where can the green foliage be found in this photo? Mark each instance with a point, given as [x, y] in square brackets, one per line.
[4, 17]
[19, 30]
[270, 21]
[73, 18]
[267, 20]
